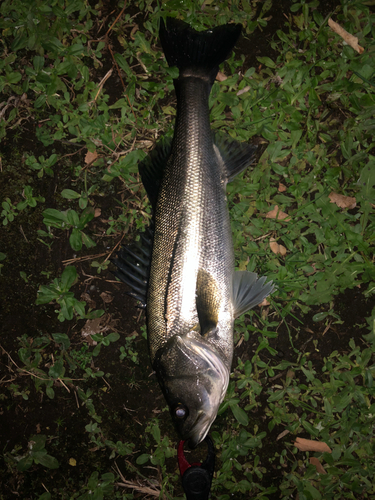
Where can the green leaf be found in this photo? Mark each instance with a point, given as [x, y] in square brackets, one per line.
[68, 277]
[25, 463]
[267, 62]
[239, 414]
[61, 338]
[50, 392]
[142, 459]
[69, 194]
[75, 239]
[57, 370]
[113, 337]
[37, 442]
[48, 461]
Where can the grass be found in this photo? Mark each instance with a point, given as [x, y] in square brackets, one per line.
[310, 107]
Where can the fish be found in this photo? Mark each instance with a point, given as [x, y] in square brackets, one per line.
[183, 271]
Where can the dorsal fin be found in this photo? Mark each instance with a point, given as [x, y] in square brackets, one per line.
[249, 291]
[233, 156]
[152, 168]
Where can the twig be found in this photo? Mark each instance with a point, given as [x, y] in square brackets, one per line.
[153, 491]
[117, 18]
[23, 234]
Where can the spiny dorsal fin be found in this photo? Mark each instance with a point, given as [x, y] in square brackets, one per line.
[233, 156]
[208, 300]
[248, 291]
[152, 168]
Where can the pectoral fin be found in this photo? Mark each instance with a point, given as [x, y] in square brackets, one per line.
[208, 301]
[248, 291]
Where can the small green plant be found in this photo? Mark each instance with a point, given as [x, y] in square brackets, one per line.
[100, 266]
[42, 165]
[127, 351]
[83, 198]
[17, 391]
[9, 211]
[101, 340]
[58, 291]
[70, 219]
[98, 488]
[82, 357]
[30, 200]
[163, 447]
[37, 454]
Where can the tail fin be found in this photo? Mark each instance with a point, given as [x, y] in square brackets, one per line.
[197, 52]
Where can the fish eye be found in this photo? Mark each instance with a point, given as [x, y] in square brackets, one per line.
[181, 412]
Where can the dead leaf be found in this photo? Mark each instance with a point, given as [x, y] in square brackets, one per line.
[347, 37]
[106, 297]
[98, 212]
[277, 214]
[290, 374]
[133, 31]
[318, 465]
[264, 303]
[281, 188]
[309, 445]
[90, 157]
[244, 90]
[282, 434]
[276, 248]
[38, 430]
[342, 201]
[220, 77]
[89, 301]
[72, 462]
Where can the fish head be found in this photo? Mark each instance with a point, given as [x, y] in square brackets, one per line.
[194, 379]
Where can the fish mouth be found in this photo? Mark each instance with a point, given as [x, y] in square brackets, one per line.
[197, 434]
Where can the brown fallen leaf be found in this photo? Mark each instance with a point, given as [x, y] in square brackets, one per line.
[264, 303]
[282, 434]
[281, 188]
[106, 297]
[290, 374]
[318, 465]
[276, 248]
[347, 37]
[277, 214]
[90, 157]
[220, 77]
[342, 201]
[309, 445]
[133, 31]
[244, 90]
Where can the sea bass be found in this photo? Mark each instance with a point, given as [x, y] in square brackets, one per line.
[193, 293]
